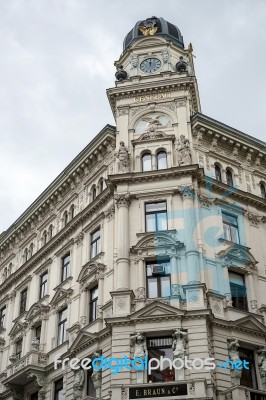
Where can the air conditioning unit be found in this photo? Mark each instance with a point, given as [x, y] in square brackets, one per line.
[157, 269]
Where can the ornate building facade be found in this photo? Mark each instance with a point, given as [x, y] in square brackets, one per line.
[151, 242]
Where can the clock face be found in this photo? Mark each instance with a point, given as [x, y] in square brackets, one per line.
[150, 65]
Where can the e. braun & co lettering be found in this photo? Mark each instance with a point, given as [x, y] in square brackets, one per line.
[157, 391]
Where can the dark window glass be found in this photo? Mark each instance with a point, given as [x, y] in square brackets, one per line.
[101, 185]
[62, 325]
[65, 267]
[58, 390]
[90, 386]
[23, 301]
[34, 396]
[44, 237]
[2, 317]
[26, 255]
[50, 232]
[248, 377]
[38, 330]
[95, 243]
[93, 303]
[19, 349]
[162, 160]
[31, 250]
[72, 211]
[158, 278]
[155, 217]
[146, 162]
[262, 190]
[218, 175]
[161, 347]
[238, 291]
[229, 177]
[230, 228]
[65, 218]
[43, 284]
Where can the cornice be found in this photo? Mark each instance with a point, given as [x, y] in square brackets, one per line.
[68, 177]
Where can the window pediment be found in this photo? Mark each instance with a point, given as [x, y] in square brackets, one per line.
[92, 271]
[157, 309]
[61, 297]
[37, 311]
[157, 240]
[151, 136]
[18, 329]
[82, 340]
[237, 254]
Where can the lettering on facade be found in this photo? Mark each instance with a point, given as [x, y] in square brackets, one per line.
[157, 391]
[149, 97]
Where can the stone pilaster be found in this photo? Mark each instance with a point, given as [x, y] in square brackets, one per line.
[122, 267]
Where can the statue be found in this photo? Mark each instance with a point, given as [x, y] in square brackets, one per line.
[79, 379]
[140, 351]
[166, 60]
[179, 343]
[262, 364]
[184, 152]
[233, 346]
[97, 376]
[123, 157]
[179, 351]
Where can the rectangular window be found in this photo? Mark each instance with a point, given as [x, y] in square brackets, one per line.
[62, 325]
[90, 386]
[34, 396]
[38, 330]
[157, 347]
[58, 390]
[230, 228]
[238, 291]
[43, 284]
[2, 317]
[23, 301]
[95, 243]
[93, 303]
[19, 349]
[65, 267]
[155, 217]
[158, 278]
[248, 376]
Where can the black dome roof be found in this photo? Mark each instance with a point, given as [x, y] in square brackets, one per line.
[164, 28]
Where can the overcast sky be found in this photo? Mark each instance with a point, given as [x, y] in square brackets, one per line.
[56, 61]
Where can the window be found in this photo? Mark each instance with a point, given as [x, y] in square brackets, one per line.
[65, 267]
[93, 193]
[218, 174]
[62, 325]
[58, 390]
[2, 317]
[230, 228]
[44, 237]
[229, 177]
[262, 190]
[248, 376]
[238, 291]
[90, 386]
[23, 301]
[34, 396]
[161, 347]
[43, 284]
[26, 255]
[101, 185]
[161, 160]
[158, 278]
[38, 331]
[95, 243]
[65, 218]
[72, 211]
[31, 250]
[155, 216]
[93, 303]
[50, 232]
[19, 349]
[146, 162]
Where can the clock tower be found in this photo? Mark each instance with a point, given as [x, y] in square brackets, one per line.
[156, 91]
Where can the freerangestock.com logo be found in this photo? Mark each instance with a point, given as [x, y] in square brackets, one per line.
[117, 365]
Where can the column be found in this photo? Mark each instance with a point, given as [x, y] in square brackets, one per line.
[154, 162]
[251, 288]
[100, 291]
[83, 307]
[141, 279]
[122, 273]
[175, 287]
[43, 334]
[28, 339]
[193, 273]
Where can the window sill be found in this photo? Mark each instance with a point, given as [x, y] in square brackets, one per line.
[63, 283]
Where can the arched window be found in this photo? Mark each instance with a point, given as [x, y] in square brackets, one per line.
[161, 160]
[93, 193]
[5, 274]
[262, 190]
[65, 218]
[10, 269]
[26, 255]
[101, 183]
[146, 162]
[218, 174]
[72, 211]
[44, 237]
[229, 177]
[31, 250]
[50, 232]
